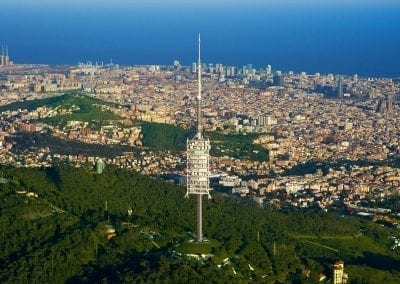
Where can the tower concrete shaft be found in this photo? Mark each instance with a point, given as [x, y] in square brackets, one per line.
[199, 218]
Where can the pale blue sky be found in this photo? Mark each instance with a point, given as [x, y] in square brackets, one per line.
[191, 2]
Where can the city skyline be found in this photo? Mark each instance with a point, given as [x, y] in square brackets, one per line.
[310, 38]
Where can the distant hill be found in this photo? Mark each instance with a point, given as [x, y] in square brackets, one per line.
[85, 108]
[68, 98]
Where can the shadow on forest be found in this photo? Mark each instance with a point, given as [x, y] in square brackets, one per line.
[370, 259]
[134, 261]
[53, 175]
[377, 261]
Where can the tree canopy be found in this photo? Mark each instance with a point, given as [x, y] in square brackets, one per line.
[61, 235]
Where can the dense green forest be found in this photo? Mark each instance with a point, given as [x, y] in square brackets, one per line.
[35, 141]
[161, 137]
[60, 235]
[239, 146]
[169, 137]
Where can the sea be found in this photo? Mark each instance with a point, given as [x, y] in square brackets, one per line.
[346, 39]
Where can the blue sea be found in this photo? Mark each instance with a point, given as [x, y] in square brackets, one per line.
[339, 39]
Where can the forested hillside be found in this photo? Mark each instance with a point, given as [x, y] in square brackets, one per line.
[55, 222]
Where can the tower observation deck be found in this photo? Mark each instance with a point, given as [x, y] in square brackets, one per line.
[197, 166]
[198, 174]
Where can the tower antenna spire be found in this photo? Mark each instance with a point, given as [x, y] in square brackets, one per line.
[199, 123]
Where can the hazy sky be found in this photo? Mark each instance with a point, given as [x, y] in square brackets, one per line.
[191, 2]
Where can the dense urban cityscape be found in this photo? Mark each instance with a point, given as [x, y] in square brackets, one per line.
[279, 140]
[297, 118]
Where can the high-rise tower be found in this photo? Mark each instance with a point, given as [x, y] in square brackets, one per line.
[390, 103]
[339, 89]
[198, 150]
[2, 57]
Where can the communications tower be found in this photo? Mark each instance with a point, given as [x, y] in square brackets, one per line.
[198, 150]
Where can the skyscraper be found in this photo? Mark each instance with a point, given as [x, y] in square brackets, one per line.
[389, 103]
[194, 67]
[198, 150]
[385, 105]
[7, 58]
[278, 79]
[339, 89]
[269, 70]
[2, 57]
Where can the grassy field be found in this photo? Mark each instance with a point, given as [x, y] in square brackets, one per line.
[192, 247]
[354, 245]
